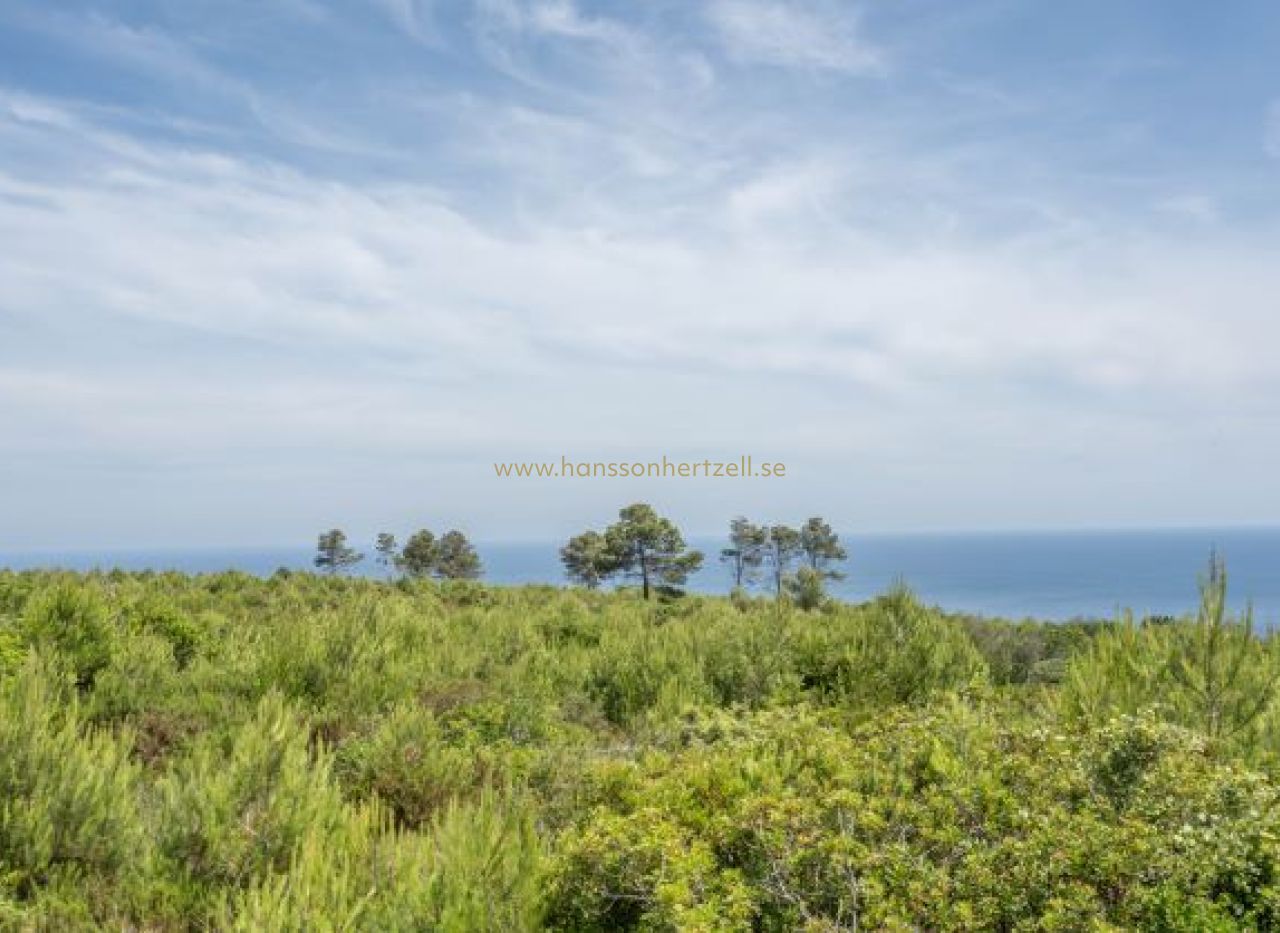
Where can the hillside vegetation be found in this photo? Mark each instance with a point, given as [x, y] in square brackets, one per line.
[310, 753]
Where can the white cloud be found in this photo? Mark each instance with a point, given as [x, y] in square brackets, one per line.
[260, 252]
[794, 33]
[562, 18]
[786, 192]
[1201, 208]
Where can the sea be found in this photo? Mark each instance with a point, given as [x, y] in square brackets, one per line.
[1059, 575]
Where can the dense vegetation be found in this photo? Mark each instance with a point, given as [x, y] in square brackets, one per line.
[322, 753]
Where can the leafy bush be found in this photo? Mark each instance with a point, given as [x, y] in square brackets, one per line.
[893, 650]
[157, 617]
[949, 819]
[70, 624]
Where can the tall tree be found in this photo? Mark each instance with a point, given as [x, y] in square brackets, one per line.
[388, 552]
[780, 552]
[419, 555]
[745, 552]
[821, 547]
[650, 548]
[456, 558]
[332, 553]
[588, 560]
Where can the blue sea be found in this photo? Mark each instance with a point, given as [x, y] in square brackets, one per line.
[1046, 575]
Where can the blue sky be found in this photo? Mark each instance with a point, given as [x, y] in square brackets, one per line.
[269, 266]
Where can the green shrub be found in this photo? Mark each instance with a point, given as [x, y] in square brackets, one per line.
[893, 650]
[234, 810]
[140, 677]
[409, 764]
[70, 623]
[478, 869]
[68, 805]
[1213, 674]
[157, 617]
[12, 651]
[946, 820]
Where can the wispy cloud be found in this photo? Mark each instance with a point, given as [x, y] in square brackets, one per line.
[416, 18]
[793, 33]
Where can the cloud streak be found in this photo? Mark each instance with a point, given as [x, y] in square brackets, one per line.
[796, 35]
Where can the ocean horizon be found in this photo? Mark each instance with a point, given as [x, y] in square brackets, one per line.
[1055, 575]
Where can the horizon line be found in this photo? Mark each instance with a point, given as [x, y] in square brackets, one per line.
[689, 536]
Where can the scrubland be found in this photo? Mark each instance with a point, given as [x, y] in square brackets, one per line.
[307, 753]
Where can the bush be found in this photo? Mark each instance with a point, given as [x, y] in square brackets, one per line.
[893, 650]
[68, 806]
[942, 820]
[161, 618]
[234, 811]
[70, 624]
[1212, 674]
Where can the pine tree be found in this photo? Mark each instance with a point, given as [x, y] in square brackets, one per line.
[333, 555]
[650, 548]
[745, 552]
[388, 552]
[420, 553]
[821, 547]
[1224, 676]
[456, 558]
[781, 549]
[588, 560]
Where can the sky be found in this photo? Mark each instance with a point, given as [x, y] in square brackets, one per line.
[270, 266]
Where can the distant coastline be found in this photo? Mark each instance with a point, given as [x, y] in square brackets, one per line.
[1055, 575]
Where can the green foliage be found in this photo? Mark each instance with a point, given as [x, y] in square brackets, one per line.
[1028, 652]
[388, 552]
[1213, 674]
[893, 650]
[806, 589]
[948, 819]
[333, 555]
[745, 553]
[420, 554]
[68, 808]
[480, 871]
[588, 559]
[237, 807]
[821, 548]
[456, 558]
[418, 765]
[451, 557]
[166, 620]
[70, 624]
[335, 753]
[644, 546]
[12, 651]
[781, 550]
